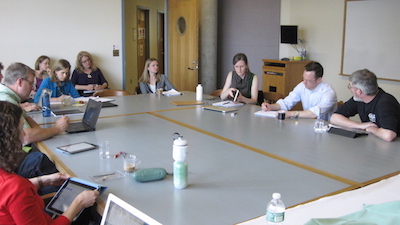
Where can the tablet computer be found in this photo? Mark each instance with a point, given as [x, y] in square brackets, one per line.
[66, 194]
[77, 147]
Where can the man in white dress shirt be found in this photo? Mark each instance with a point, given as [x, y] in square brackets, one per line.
[317, 98]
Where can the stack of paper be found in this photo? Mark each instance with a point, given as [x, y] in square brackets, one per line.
[228, 104]
[171, 92]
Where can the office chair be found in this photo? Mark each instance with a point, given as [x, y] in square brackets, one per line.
[216, 93]
[272, 97]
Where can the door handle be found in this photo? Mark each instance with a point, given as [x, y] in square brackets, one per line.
[196, 67]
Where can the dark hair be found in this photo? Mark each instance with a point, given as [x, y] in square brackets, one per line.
[10, 145]
[1, 66]
[316, 67]
[364, 80]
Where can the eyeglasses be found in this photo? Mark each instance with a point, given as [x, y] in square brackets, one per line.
[87, 60]
[349, 86]
[30, 82]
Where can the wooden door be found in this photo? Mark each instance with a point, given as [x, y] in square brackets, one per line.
[184, 43]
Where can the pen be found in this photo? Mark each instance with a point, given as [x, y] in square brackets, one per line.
[225, 103]
[236, 95]
[104, 175]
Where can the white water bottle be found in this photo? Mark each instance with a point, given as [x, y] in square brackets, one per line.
[179, 151]
[199, 93]
[275, 210]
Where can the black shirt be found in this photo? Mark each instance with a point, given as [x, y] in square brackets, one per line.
[383, 110]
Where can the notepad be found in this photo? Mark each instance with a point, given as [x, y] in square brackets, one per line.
[266, 113]
[228, 104]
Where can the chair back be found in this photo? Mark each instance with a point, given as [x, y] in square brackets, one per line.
[272, 97]
[111, 92]
[216, 93]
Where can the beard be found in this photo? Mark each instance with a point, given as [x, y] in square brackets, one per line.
[357, 99]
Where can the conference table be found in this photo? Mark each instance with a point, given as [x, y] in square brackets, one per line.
[236, 160]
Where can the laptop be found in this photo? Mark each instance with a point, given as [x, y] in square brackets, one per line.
[89, 120]
[120, 212]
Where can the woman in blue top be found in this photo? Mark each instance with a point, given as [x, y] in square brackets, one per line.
[58, 83]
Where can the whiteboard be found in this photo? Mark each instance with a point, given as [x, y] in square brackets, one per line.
[372, 38]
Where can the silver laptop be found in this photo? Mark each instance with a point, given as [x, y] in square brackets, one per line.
[120, 212]
[89, 120]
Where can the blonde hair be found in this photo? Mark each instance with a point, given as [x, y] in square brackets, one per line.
[78, 64]
[60, 65]
[145, 78]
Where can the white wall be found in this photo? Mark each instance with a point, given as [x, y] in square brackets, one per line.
[321, 25]
[60, 29]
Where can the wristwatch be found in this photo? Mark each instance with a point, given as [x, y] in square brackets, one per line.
[296, 114]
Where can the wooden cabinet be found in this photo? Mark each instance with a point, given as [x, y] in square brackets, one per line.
[281, 76]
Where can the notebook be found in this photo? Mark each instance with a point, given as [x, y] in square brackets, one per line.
[266, 113]
[220, 108]
[89, 120]
[120, 212]
[228, 104]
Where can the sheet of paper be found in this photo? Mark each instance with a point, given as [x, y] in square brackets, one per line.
[171, 92]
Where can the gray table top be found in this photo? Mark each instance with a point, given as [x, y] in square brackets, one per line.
[227, 183]
[235, 162]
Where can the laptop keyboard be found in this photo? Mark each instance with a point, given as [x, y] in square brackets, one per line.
[77, 127]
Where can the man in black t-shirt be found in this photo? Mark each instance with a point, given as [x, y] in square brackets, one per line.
[379, 111]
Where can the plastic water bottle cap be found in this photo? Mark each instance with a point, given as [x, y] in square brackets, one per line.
[276, 195]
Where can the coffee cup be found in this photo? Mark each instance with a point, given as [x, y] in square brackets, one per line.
[67, 101]
[281, 115]
[130, 163]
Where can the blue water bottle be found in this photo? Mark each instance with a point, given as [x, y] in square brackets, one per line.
[46, 105]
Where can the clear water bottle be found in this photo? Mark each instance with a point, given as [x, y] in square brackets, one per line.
[179, 153]
[199, 92]
[275, 210]
[46, 105]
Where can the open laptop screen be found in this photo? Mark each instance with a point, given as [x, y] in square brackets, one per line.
[119, 212]
[92, 113]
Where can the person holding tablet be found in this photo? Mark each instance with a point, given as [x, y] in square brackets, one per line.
[19, 201]
[241, 79]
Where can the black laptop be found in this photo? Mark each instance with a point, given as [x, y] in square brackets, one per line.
[89, 120]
